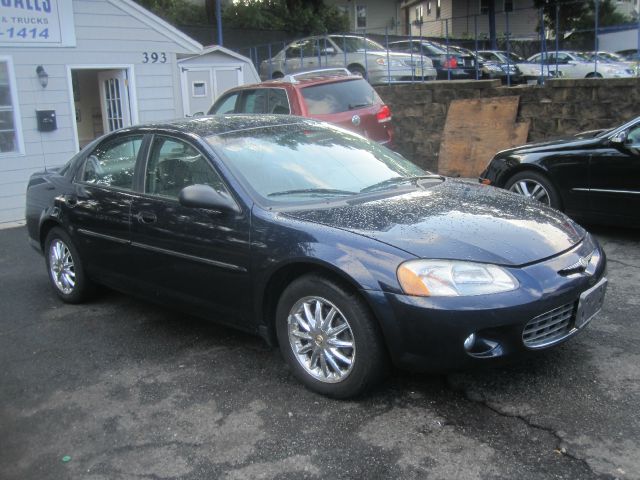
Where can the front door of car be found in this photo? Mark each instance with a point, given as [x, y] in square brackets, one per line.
[615, 174]
[196, 257]
[99, 209]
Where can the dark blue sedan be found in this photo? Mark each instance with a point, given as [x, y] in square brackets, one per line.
[344, 253]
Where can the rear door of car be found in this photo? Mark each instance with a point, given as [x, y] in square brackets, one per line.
[197, 257]
[99, 208]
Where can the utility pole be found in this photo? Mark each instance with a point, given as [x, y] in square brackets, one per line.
[492, 24]
[219, 20]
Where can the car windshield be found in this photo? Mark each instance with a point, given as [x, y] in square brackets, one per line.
[303, 162]
[337, 97]
[357, 44]
[513, 57]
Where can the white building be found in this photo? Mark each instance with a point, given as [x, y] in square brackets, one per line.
[71, 70]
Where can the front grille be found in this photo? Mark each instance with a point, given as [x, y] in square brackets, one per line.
[550, 327]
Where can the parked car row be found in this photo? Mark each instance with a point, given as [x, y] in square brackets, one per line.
[419, 59]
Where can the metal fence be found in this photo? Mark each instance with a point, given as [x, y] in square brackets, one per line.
[524, 32]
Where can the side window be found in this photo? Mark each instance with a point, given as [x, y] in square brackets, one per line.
[293, 51]
[112, 163]
[254, 101]
[174, 164]
[278, 101]
[633, 137]
[226, 105]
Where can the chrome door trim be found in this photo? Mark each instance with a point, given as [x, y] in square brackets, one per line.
[604, 190]
[207, 261]
[90, 233]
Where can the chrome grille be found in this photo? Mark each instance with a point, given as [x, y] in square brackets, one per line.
[549, 327]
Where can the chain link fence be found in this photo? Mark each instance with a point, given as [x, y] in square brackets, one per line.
[529, 46]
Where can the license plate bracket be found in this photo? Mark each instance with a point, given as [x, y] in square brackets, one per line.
[590, 303]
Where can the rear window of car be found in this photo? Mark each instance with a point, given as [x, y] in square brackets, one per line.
[339, 97]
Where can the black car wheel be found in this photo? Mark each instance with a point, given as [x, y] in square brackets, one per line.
[65, 267]
[329, 337]
[535, 186]
[277, 75]
[357, 70]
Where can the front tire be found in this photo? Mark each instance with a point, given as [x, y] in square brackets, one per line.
[329, 337]
[357, 70]
[536, 186]
[65, 268]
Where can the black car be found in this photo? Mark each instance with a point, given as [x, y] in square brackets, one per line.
[341, 251]
[593, 176]
[450, 63]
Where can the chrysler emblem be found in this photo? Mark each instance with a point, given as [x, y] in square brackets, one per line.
[355, 120]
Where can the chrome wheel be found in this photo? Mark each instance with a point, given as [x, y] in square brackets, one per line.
[321, 339]
[531, 189]
[61, 267]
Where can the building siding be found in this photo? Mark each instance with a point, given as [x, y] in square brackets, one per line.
[382, 15]
[105, 35]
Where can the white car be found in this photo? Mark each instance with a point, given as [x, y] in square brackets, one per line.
[360, 55]
[574, 65]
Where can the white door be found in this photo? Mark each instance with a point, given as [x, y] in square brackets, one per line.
[114, 98]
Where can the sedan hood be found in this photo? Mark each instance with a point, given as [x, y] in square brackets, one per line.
[456, 220]
[580, 140]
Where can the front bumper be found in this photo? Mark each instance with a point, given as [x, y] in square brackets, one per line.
[428, 334]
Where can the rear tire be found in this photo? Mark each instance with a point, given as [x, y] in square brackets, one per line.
[329, 338]
[275, 75]
[594, 75]
[536, 186]
[65, 268]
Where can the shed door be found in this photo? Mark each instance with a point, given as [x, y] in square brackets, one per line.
[114, 98]
[202, 86]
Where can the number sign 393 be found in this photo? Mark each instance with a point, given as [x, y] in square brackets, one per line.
[154, 57]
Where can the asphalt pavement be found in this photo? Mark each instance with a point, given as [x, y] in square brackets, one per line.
[122, 389]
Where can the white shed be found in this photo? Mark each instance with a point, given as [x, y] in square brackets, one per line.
[206, 76]
[71, 70]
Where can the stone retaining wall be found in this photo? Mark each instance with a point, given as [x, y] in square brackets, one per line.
[562, 106]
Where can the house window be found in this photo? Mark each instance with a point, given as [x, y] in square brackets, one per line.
[10, 140]
[419, 16]
[429, 8]
[484, 7]
[361, 16]
[199, 89]
[438, 9]
[508, 6]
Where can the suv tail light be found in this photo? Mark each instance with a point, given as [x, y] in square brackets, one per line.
[384, 115]
[451, 62]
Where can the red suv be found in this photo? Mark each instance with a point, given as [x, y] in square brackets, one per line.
[331, 95]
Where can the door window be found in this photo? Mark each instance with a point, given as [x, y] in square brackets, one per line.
[254, 101]
[175, 164]
[278, 101]
[633, 137]
[227, 105]
[112, 163]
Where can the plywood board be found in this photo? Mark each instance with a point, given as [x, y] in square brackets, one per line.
[475, 130]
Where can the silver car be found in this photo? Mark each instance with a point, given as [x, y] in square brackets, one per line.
[360, 55]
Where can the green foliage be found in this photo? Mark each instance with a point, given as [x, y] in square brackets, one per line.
[293, 16]
[580, 16]
[176, 12]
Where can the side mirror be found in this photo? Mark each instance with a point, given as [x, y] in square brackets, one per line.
[619, 139]
[203, 196]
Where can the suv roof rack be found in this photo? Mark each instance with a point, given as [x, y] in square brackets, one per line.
[322, 72]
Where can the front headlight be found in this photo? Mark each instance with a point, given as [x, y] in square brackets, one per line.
[392, 62]
[452, 278]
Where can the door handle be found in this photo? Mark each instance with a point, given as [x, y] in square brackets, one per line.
[146, 217]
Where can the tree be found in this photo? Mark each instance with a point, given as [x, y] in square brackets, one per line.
[293, 16]
[176, 12]
[579, 17]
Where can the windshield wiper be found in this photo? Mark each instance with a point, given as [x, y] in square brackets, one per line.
[358, 105]
[396, 181]
[313, 191]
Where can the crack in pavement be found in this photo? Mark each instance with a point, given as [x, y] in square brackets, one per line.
[613, 260]
[561, 447]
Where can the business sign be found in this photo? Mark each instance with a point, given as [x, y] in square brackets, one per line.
[43, 23]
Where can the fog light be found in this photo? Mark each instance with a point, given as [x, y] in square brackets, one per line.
[469, 342]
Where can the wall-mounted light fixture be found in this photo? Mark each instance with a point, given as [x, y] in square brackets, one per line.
[43, 77]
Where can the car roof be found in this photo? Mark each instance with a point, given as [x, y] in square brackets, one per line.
[302, 81]
[218, 124]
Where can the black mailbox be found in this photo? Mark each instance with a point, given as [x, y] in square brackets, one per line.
[46, 120]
